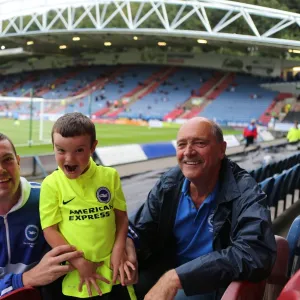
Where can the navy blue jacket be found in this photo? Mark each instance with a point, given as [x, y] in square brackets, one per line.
[22, 242]
[244, 244]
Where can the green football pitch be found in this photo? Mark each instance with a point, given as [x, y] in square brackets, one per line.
[107, 135]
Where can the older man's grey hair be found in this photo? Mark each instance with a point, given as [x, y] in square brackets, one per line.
[217, 132]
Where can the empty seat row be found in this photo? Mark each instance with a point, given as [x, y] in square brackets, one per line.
[278, 167]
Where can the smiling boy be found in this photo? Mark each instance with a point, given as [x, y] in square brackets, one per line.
[83, 205]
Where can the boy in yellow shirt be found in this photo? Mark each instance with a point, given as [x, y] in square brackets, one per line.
[82, 204]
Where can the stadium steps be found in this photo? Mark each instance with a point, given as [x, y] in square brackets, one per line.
[276, 106]
[56, 83]
[173, 114]
[149, 85]
[135, 92]
[220, 86]
[101, 112]
[156, 82]
[115, 112]
[18, 84]
[90, 88]
[100, 82]
[192, 113]
[209, 84]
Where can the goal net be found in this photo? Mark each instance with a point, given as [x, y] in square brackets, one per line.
[28, 121]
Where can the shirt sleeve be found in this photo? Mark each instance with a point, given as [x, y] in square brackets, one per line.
[119, 199]
[10, 282]
[49, 205]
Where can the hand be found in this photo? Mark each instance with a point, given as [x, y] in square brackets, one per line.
[117, 262]
[49, 268]
[166, 288]
[88, 274]
[125, 269]
[130, 262]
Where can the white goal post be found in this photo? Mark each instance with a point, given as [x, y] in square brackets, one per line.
[27, 115]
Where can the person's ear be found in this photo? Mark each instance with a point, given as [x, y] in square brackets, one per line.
[94, 146]
[18, 159]
[223, 149]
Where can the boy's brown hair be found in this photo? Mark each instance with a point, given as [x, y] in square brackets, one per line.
[74, 124]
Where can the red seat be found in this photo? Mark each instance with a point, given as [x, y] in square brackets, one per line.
[289, 295]
[256, 291]
[25, 293]
[244, 290]
[292, 285]
[278, 278]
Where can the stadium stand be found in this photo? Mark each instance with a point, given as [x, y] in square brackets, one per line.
[156, 93]
[229, 106]
[281, 182]
[172, 93]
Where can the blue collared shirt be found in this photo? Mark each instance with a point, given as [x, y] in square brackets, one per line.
[193, 227]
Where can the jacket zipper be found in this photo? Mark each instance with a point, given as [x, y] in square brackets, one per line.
[7, 238]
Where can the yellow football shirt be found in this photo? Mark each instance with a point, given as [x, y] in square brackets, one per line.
[83, 208]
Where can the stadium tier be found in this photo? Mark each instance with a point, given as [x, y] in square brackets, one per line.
[247, 101]
[142, 92]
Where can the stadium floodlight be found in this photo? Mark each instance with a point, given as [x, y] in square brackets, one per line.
[162, 44]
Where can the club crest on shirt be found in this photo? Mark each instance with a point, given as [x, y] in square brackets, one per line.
[103, 194]
[210, 222]
[31, 233]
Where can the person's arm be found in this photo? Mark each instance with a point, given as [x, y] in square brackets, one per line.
[45, 272]
[119, 245]
[121, 229]
[251, 254]
[121, 220]
[53, 237]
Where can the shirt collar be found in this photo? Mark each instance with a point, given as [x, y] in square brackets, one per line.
[25, 192]
[210, 197]
[185, 187]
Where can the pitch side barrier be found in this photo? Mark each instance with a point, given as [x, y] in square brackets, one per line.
[40, 166]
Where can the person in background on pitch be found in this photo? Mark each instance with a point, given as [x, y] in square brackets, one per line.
[83, 204]
[293, 135]
[22, 259]
[204, 224]
[250, 133]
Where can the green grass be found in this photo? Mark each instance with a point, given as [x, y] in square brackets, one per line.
[107, 135]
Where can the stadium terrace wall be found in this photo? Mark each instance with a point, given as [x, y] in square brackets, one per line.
[40, 166]
[247, 64]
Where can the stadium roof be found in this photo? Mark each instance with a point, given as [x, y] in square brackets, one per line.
[46, 25]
